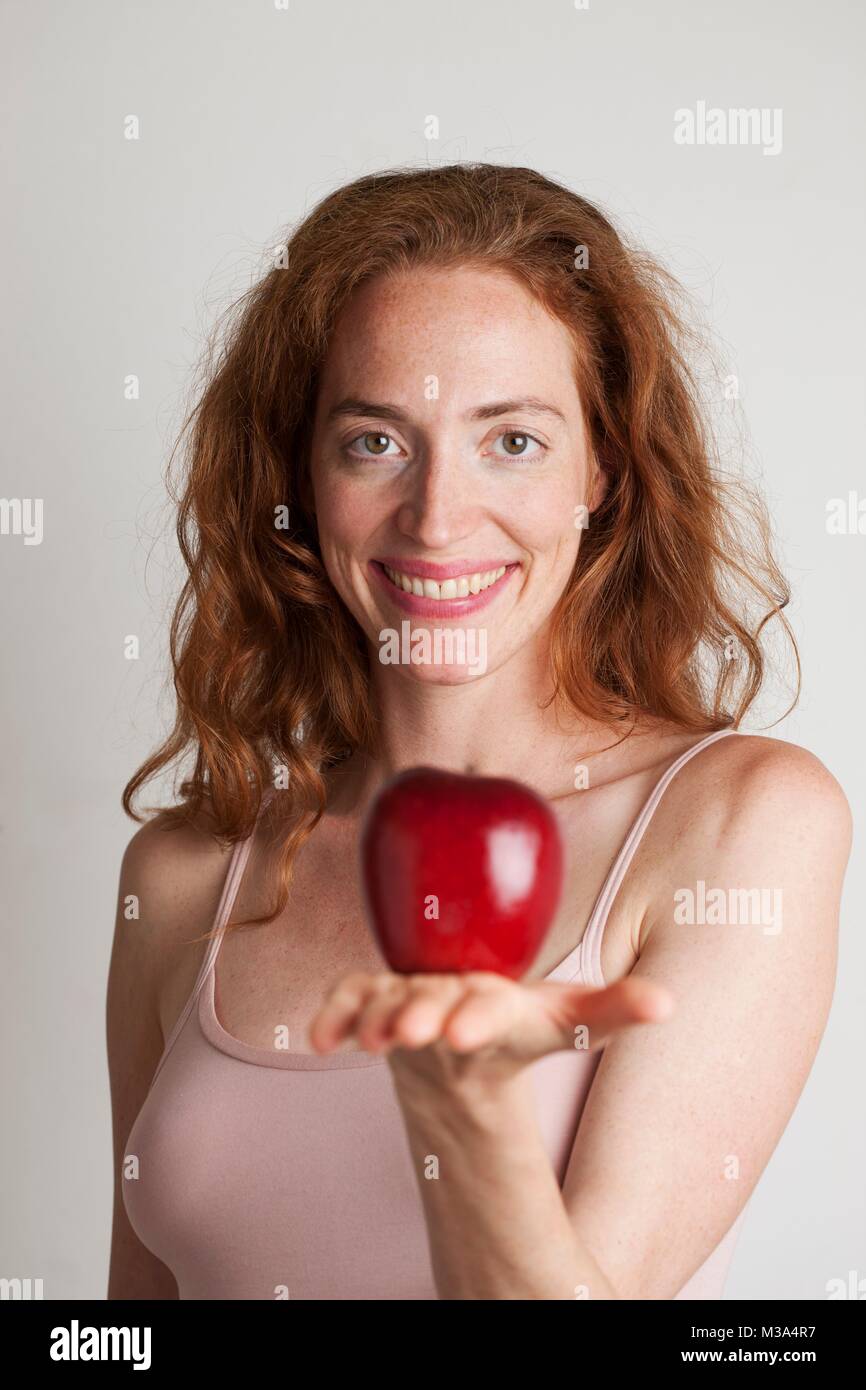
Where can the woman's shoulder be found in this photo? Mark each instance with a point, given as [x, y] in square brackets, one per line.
[751, 809]
[738, 775]
[744, 774]
[743, 870]
[174, 872]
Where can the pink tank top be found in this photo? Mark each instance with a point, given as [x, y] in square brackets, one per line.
[265, 1174]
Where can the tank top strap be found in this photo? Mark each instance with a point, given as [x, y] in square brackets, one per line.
[234, 875]
[237, 865]
[235, 872]
[590, 946]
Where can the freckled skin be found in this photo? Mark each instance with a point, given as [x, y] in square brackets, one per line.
[448, 488]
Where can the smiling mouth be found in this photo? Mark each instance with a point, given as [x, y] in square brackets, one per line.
[461, 586]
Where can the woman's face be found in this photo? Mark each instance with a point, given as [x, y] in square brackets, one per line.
[449, 467]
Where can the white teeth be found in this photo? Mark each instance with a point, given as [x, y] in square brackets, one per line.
[460, 587]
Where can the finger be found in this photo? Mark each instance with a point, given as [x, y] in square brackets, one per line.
[421, 1019]
[336, 1018]
[625, 1004]
[373, 1023]
[482, 1017]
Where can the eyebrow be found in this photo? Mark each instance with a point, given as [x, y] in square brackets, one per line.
[352, 406]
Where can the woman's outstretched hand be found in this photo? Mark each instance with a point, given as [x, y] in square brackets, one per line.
[441, 1027]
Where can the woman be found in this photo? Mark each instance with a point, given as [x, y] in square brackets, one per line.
[460, 401]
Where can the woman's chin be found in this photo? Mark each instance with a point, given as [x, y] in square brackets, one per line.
[443, 675]
[440, 655]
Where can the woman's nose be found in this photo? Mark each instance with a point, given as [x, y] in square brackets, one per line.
[441, 505]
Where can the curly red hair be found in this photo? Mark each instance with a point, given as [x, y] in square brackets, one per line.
[674, 572]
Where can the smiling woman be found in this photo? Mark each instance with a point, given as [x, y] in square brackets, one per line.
[458, 457]
[463, 419]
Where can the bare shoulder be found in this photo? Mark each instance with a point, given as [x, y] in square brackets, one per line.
[754, 815]
[170, 883]
[175, 874]
[752, 788]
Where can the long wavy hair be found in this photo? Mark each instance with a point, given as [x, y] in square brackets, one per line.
[675, 578]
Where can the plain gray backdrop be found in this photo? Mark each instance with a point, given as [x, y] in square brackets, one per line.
[117, 256]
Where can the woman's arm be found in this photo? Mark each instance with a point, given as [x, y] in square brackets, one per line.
[683, 1115]
[496, 1221]
[700, 1103]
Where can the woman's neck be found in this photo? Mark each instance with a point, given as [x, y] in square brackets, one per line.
[504, 725]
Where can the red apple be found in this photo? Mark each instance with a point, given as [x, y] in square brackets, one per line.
[460, 873]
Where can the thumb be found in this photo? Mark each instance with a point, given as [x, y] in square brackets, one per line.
[628, 1002]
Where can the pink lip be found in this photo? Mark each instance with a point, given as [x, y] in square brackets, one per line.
[439, 608]
[425, 570]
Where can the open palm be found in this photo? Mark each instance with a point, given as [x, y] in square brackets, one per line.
[434, 1021]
